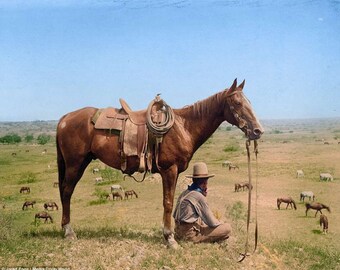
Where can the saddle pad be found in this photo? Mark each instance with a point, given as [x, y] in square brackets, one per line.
[109, 118]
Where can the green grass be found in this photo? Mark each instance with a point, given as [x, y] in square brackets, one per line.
[128, 234]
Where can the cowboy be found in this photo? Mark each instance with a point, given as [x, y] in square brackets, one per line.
[194, 221]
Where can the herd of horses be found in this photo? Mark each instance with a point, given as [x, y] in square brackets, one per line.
[309, 205]
[47, 206]
[79, 142]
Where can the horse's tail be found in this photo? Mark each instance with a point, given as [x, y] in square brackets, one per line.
[61, 165]
[307, 207]
[294, 204]
[23, 206]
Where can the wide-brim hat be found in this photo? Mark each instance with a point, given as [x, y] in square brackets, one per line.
[200, 170]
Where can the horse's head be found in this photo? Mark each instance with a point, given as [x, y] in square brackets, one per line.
[240, 112]
[326, 207]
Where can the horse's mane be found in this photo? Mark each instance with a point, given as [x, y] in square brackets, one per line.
[203, 107]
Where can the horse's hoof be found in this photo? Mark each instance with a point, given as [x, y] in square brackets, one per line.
[71, 236]
[172, 243]
[69, 233]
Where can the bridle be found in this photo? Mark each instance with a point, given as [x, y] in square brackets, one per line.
[242, 123]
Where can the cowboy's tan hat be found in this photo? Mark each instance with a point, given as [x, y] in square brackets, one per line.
[200, 170]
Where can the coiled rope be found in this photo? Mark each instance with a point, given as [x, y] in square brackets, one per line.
[158, 129]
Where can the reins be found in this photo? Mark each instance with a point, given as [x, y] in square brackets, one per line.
[245, 254]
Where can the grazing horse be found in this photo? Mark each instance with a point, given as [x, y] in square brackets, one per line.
[130, 193]
[299, 173]
[43, 215]
[117, 188]
[25, 190]
[50, 205]
[324, 223]
[116, 194]
[233, 167]
[316, 206]
[78, 143]
[27, 204]
[287, 200]
[246, 185]
[95, 170]
[226, 163]
[326, 177]
[308, 194]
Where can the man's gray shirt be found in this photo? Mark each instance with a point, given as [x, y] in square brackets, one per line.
[192, 205]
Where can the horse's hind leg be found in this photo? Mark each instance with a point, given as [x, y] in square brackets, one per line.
[66, 187]
[169, 180]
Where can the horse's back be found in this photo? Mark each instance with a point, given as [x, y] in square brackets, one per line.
[75, 117]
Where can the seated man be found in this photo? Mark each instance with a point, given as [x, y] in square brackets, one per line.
[194, 221]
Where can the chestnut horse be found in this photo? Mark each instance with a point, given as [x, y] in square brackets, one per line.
[317, 206]
[78, 143]
[287, 200]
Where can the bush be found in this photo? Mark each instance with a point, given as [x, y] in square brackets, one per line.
[27, 178]
[43, 139]
[110, 174]
[231, 148]
[276, 131]
[11, 138]
[237, 211]
[29, 138]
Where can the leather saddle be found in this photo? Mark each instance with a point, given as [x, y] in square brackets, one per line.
[132, 127]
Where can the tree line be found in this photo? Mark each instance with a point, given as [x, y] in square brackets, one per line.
[14, 138]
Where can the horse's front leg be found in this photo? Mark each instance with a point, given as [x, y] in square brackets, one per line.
[169, 180]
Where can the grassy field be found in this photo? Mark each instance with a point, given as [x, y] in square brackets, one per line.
[128, 234]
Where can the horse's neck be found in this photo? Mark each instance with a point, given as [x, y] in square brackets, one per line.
[203, 118]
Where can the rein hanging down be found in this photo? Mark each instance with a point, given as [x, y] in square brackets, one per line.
[245, 254]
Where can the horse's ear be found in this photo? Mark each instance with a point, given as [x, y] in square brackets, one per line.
[242, 85]
[233, 87]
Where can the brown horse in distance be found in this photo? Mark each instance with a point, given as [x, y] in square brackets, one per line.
[78, 143]
[316, 206]
[287, 200]
[324, 223]
[130, 193]
[43, 215]
[27, 204]
[51, 205]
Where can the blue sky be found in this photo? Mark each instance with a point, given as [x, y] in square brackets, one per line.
[59, 56]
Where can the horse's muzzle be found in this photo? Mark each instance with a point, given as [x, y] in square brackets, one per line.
[254, 134]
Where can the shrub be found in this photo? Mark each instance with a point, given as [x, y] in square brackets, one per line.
[110, 174]
[29, 138]
[11, 138]
[27, 178]
[276, 131]
[43, 139]
[231, 148]
[237, 211]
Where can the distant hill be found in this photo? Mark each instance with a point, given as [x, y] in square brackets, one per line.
[29, 127]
